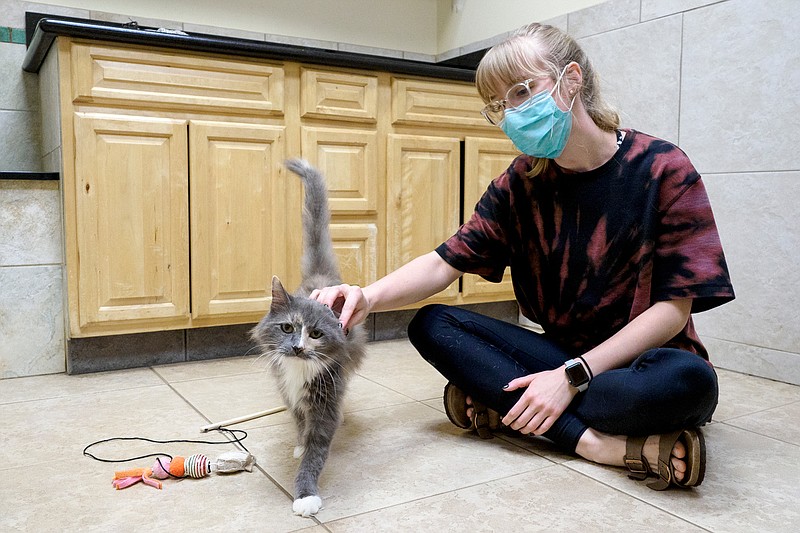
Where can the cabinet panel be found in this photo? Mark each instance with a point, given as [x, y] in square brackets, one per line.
[326, 94]
[238, 212]
[102, 74]
[356, 249]
[423, 197]
[484, 160]
[349, 161]
[131, 218]
[436, 103]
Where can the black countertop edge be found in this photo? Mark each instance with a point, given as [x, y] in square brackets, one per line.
[49, 27]
[37, 176]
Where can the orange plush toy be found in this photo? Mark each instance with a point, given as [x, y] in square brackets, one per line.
[194, 466]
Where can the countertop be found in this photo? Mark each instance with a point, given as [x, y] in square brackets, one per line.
[41, 31]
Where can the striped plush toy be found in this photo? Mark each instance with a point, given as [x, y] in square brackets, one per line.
[195, 466]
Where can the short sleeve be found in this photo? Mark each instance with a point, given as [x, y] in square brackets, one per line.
[480, 245]
[689, 261]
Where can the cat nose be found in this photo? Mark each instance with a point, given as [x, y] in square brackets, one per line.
[297, 349]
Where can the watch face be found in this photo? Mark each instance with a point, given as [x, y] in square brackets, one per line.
[576, 374]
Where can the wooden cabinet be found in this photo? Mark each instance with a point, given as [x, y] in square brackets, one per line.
[484, 159]
[131, 219]
[440, 167]
[340, 136]
[178, 210]
[422, 207]
[135, 227]
[238, 228]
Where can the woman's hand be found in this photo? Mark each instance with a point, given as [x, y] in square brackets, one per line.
[347, 300]
[547, 394]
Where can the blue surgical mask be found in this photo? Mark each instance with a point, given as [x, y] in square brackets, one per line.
[539, 127]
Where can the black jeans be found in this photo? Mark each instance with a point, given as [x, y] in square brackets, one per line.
[663, 390]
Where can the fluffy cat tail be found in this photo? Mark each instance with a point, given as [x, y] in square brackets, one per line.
[319, 266]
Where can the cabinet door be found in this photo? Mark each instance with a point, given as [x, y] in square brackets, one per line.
[422, 199]
[484, 160]
[130, 221]
[238, 217]
[355, 246]
[348, 158]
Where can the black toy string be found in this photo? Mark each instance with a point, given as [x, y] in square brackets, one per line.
[234, 434]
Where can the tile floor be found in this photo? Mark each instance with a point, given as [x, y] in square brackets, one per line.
[396, 463]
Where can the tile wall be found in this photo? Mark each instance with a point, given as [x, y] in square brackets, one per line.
[716, 77]
[720, 80]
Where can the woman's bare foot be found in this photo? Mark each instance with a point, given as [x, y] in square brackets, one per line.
[610, 450]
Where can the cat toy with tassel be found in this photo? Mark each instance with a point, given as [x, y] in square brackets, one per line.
[194, 466]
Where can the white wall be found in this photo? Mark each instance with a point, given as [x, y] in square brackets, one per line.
[426, 27]
[463, 22]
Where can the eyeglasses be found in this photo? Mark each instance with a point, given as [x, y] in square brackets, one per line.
[517, 95]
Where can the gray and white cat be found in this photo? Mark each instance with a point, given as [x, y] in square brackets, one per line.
[309, 353]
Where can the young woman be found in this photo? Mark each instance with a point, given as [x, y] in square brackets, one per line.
[612, 245]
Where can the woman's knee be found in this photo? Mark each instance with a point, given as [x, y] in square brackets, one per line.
[425, 322]
[694, 381]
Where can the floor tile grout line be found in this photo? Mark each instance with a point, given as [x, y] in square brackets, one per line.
[637, 498]
[386, 387]
[771, 437]
[764, 410]
[258, 467]
[63, 396]
[437, 494]
[234, 374]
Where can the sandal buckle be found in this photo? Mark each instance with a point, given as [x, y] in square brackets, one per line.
[638, 467]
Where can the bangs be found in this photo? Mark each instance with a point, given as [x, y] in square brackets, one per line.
[511, 62]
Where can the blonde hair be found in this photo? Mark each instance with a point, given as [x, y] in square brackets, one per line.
[538, 50]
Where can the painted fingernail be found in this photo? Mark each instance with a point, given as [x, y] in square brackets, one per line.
[340, 325]
[505, 386]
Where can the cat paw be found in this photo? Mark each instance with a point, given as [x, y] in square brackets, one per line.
[299, 451]
[307, 506]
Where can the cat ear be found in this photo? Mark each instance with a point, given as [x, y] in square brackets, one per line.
[280, 298]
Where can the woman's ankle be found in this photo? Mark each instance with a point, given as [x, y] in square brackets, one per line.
[601, 448]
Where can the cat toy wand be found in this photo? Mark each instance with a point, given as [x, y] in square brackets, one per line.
[240, 419]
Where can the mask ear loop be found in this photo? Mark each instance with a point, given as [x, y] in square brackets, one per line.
[558, 83]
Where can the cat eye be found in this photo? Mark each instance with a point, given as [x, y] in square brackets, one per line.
[287, 328]
[315, 334]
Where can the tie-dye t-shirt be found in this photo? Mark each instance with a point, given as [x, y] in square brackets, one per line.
[591, 251]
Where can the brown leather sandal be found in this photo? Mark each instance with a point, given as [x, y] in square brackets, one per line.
[695, 459]
[483, 421]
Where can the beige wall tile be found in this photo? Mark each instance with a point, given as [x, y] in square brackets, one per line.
[20, 139]
[639, 68]
[753, 360]
[757, 224]
[226, 32]
[18, 90]
[51, 9]
[31, 321]
[603, 17]
[50, 115]
[659, 8]
[30, 223]
[739, 106]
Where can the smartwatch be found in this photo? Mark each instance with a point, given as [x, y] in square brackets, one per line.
[577, 375]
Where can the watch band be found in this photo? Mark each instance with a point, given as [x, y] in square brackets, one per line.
[587, 367]
[578, 374]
